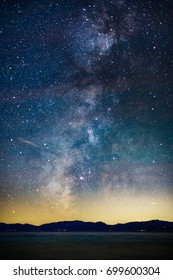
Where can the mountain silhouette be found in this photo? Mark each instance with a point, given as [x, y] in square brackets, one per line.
[79, 226]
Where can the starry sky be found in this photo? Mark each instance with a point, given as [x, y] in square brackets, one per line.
[86, 116]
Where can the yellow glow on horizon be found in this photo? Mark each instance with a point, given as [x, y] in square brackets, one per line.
[121, 209]
[102, 206]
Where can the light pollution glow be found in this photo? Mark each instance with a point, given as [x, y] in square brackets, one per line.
[101, 206]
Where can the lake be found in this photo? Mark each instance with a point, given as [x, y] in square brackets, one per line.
[77, 245]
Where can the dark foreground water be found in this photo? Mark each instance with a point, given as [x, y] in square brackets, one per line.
[86, 246]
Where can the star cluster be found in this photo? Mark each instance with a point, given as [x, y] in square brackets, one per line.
[86, 110]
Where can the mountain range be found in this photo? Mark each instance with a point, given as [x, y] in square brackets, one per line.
[79, 226]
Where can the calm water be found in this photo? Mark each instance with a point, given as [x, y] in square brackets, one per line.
[86, 245]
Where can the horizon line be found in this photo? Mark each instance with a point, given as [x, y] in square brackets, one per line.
[66, 221]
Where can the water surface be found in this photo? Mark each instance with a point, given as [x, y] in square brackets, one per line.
[65, 245]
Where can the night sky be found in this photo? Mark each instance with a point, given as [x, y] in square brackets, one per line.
[86, 110]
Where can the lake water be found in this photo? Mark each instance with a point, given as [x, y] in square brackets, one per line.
[106, 246]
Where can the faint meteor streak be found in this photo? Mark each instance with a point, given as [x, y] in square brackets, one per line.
[22, 140]
[40, 147]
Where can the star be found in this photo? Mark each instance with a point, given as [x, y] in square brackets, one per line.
[86, 111]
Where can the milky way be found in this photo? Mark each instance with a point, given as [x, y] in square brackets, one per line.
[86, 110]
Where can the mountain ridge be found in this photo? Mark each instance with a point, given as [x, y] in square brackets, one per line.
[80, 226]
